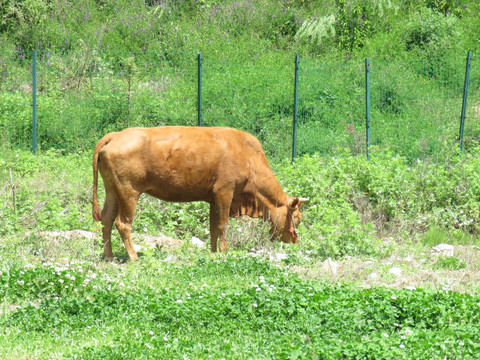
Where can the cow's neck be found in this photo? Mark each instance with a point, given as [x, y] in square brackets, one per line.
[269, 193]
[273, 198]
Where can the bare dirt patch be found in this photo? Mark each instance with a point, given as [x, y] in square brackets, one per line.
[459, 272]
[78, 243]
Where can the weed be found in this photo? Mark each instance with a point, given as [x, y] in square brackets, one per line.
[450, 263]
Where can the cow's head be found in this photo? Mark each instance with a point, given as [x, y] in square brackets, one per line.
[289, 216]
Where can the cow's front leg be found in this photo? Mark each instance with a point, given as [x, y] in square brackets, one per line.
[219, 212]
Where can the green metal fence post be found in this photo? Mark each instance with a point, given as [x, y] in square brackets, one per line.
[464, 101]
[367, 105]
[295, 109]
[34, 101]
[199, 91]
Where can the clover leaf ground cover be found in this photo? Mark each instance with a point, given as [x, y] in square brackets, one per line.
[223, 307]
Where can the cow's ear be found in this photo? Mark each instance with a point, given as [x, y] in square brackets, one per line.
[292, 202]
[295, 202]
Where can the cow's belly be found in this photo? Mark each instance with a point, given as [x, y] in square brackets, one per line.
[180, 193]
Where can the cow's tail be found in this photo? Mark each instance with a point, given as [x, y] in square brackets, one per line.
[95, 208]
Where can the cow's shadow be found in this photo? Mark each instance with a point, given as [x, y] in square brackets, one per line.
[121, 258]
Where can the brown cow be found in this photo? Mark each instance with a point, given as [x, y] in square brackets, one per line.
[224, 167]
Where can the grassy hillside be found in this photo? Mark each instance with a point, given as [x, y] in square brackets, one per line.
[105, 65]
[246, 30]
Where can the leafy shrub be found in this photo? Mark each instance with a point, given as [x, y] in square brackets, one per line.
[430, 34]
[448, 7]
[316, 30]
[357, 20]
[351, 199]
[330, 201]
[28, 18]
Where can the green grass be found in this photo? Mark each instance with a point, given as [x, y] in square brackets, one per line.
[435, 236]
[450, 263]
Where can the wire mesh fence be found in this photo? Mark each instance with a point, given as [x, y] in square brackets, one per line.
[415, 106]
[83, 96]
[472, 115]
[331, 108]
[257, 100]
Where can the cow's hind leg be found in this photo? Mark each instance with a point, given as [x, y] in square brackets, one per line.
[127, 202]
[109, 213]
[219, 213]
[213, 227]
